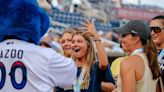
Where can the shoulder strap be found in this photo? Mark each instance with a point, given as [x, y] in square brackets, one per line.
[143, 57]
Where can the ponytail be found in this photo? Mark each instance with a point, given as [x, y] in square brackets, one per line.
[151, 51]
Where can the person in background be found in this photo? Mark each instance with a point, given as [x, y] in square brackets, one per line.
[24, 65]
[157, 31]
[44, 44]
[66, 41]
[44, 4]
[115, 67]
[52, 38]
[140, 71]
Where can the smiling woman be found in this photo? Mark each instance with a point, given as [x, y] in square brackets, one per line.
[139, 72]
[81, 47]
[66, 41]
[158, 36]
[93, 72]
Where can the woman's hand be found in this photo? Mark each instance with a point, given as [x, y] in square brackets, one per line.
[89, 26]
[107, 86]
[115, 90]
[90, 29]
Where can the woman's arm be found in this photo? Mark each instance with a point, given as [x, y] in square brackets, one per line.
[128, 79]
[107, 86]
[102, 56]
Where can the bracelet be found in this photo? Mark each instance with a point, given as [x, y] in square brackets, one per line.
[97, 39]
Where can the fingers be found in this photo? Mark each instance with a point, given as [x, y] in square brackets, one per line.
[92, 21]
[115, 90]
[87, 21]
[88, 26]
[82, 28]
[86, 32]
[84, 24]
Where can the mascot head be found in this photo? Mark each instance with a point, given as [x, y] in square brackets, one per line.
[23, 20]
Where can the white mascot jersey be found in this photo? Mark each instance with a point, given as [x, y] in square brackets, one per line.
[26, 67]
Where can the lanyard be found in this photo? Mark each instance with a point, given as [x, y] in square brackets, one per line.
[139, 50]
[78, 81]
[161, 57]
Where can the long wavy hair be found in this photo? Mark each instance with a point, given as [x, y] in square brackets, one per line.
[151, 52]
[90, 56]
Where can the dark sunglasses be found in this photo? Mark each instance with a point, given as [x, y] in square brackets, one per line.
[123, 35]
[156, 29]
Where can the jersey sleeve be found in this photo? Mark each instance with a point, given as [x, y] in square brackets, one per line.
[104, 75]
[62, 70]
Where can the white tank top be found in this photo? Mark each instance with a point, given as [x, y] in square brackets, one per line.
[146, 84]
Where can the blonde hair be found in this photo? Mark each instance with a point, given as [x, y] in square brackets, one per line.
[90, 55]
[70, 31]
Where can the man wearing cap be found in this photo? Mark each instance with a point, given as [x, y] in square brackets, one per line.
[157, 32]
[139, 72]
[25, 66]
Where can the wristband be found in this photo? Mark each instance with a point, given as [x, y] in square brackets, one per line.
[97, 40]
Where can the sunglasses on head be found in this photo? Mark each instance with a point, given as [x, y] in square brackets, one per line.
[156, 29]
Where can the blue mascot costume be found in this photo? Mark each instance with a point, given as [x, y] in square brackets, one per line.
[25, 66]
[23, 20]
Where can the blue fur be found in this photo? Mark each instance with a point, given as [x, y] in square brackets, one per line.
[22, 19]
